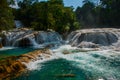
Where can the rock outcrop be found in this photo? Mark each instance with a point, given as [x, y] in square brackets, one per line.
[25, 37]
[15, 65]
[93, 38]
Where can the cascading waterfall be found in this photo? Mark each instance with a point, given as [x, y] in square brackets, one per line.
[28, 38]
[90, 38]
[86, 57]
[18, 24]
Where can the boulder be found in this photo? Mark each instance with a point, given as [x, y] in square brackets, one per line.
[66, 52]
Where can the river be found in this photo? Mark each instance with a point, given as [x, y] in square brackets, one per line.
[82, 65]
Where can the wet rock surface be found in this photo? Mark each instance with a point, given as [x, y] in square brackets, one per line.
[13, 66]
[92, 38]
[24, 37]
[1, 42]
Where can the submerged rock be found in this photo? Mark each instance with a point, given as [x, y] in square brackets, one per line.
[65, 75]
[66, 52]
[92, 38]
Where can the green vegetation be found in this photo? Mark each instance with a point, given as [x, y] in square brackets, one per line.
[51, 14]
[6, 17]
[105, 14]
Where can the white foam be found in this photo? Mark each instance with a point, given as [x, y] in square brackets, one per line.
[36, 65]
[100, 79]
[6, 48]
[83, 60]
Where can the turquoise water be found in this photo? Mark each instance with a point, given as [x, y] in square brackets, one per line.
[91, 65]
[14, 52]
[52, 70]
[84, 65]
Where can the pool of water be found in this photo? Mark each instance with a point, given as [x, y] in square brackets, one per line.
[9, 51]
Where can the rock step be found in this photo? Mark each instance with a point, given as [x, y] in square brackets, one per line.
[15, 65]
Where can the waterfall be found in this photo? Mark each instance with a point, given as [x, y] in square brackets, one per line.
[47, 37]
[28, 38]
[87, 37]
[18, 24]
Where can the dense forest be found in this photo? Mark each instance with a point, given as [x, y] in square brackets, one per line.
[52, 14]
[104, 14]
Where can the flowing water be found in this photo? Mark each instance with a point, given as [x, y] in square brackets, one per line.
[83, 65]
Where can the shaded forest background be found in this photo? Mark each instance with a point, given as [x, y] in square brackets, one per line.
[52, 14]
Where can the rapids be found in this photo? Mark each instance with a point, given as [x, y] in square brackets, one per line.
[24, 37]
[91, 54]
[85, 65]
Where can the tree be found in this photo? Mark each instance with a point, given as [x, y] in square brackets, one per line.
[110, 12]
[6, 17]
[86, 13]
[51, 14]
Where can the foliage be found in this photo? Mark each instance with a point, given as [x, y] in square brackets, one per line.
[111, 12]
[6, 17]
[107, 13]
[86, 13]
[52, 14]
[45, 15]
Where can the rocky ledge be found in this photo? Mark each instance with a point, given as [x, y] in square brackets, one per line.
[15, 65]
[95, 38]
[24, 37]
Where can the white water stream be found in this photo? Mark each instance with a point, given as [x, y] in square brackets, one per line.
[103, 63]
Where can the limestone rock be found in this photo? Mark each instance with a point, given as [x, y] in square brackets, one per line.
[15, 65]
[94, 37]
[66, 52]
[26, 38]
[88, 45]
